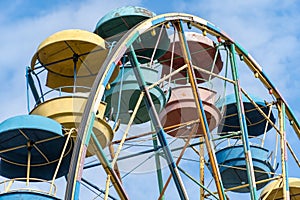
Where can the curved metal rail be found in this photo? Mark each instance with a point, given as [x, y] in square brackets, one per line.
[108, 67]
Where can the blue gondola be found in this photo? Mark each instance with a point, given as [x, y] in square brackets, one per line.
[42, 137]
[116, 23]
[256, 122]
[232, 165]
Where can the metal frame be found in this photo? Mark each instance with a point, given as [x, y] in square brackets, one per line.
[109, 65]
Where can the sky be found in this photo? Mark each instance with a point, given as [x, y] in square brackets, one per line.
[268, 29]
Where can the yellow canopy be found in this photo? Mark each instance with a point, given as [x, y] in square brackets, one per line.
[276, 189]
[57, 52]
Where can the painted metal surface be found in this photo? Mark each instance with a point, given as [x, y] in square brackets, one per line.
[68, 112]
[30, 84]
[233, 166]
[23, 132]
[243, 123]
[42, 137]
[41, 171]
[283, 149]
[121, 20]
[181, 110]
[158, 167]
[56, 52]
[203, 52]
[200, 109]
[274, 190]
[26, 195]
[116, 23]
[71, 56]
[256, 122]
[158, 127]
[152, 44]
[108, 169]
[130, 92]
[34, 122]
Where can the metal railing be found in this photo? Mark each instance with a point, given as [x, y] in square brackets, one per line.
[83, 91]
[20, 184]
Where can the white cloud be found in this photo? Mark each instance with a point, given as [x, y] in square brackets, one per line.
[21, 37]
[268, 30]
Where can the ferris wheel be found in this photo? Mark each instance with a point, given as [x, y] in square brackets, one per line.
[149, 107]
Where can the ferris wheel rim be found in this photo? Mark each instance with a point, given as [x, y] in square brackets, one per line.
[111, 61]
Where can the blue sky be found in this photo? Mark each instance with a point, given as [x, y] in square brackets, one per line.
[268, 29]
